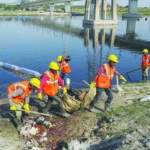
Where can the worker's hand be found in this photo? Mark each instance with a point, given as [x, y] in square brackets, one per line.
[13, 108]
[26, 107]
[92, 84]
[64, 90]
[123, 79]
[40, 96]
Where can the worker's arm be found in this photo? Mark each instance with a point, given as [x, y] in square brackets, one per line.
[15, 93]
[120, 76]
[26, 101]
[43, 81]
[61, 82]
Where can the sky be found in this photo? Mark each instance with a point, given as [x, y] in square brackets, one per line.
[141, 3]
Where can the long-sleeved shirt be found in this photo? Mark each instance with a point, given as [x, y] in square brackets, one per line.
[44, 80]
[102, 69]
[15, 93]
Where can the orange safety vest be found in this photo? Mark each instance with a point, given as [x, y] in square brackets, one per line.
[103, 80]
[145, 60]
[23, 85]
[65, 68]
[51, 85]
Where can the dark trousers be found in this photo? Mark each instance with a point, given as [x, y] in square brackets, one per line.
[50, 100]
[98, 95]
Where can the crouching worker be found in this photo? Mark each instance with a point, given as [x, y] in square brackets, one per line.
[18, 96]
[103, 82]
[49, 86]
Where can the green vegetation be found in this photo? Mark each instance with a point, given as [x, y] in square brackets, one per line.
[129, 118]
[7, 7]
[14, 10]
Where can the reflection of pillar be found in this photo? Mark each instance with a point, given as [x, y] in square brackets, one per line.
[104, 9]
[114, 9]
[86, 36]
[96, 10]
[133, 6]
[112, 37]
[95, 37]
[130, 30]
[52, 7]
[87, 10]
[68, 6]
[67, 21]
[102, 37]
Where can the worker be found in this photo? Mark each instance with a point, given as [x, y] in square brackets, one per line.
[64, 67]
[145, 62]
[103, 82]
[18, 96]
[49, 86]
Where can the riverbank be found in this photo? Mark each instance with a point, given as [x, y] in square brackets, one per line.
[30, 13]
[125, 127]
[76, 11]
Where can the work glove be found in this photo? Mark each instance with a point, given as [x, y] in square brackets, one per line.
[123, 79]
[26, 107]
[64, 90]
[40, 96]
[92, 84]
[13, 108]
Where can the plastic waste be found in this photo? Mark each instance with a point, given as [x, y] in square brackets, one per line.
[145, 98]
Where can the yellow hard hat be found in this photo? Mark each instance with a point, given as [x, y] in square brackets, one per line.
[53, 65]
[59, 58]
[113, 58]
[35, 82]
[145, 51]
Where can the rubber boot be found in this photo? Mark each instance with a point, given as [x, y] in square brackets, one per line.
[107, 107]
[146, 78]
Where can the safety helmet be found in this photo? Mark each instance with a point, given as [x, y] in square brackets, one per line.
[113, 58]
[35, 82]
[145, 51]
[53, 65]
[59, 58]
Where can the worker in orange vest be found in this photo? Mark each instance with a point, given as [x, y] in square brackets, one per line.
[145, 62]
[64, 66]
[103, 82]
[18, 95]
[49, 86]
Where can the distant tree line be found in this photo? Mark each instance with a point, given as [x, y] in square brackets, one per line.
[8, 7]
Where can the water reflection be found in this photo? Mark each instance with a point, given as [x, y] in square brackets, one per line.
[130, 30]
[88, 46]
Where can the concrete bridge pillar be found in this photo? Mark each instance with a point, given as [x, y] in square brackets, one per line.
[97, 10]
[104, 9]
[114, 9]
[92, 14]
[87, 10]
[67, 6]
[133, 6]
[132, 10]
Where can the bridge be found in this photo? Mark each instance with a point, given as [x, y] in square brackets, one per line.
[95, 10]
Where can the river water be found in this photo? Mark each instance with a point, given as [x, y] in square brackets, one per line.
[33, 42]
